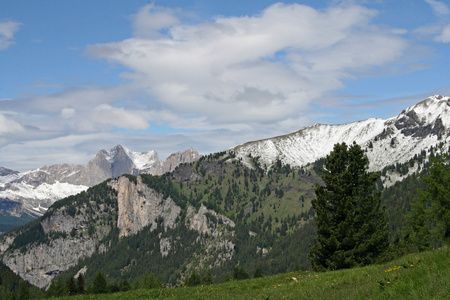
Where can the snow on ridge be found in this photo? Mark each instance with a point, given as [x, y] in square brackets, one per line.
[141, 160]
[43, 191]
[312, 143]
[428, 111]
[144, 160]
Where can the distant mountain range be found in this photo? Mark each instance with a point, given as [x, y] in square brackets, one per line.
[32, 192]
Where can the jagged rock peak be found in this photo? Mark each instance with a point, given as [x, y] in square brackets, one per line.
[430, 109]
[6, 172]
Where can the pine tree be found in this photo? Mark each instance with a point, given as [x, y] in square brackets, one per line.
[99, 284]
[149, 281]
[258, 273]
[208, 279]
[352, 228]
[24, 291]
[193, 279]
[80, 284]
[430, 211]
[124, 286]
[71, 286]
[239, 273]
[57, 288]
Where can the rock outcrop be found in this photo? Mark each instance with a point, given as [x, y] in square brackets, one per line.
[68, 241]
[140, 206]
[41, 263]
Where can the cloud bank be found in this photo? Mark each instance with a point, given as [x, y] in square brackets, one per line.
[256, 71]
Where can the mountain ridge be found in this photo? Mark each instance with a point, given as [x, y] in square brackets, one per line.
[414, 129]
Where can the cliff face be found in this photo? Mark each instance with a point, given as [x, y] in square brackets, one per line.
[205, 221]
[41, 263]
[68, 241]
[140, 206]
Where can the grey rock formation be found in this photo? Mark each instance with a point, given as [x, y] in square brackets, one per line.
[140, 206]
[40, 262]
[6, 172]
[175, 159]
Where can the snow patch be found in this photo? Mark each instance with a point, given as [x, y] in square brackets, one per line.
[43, 191]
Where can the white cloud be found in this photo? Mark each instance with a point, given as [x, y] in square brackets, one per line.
[254, 70]
[118, 117]
[444, 37]
[439, 8]
[150, 20]
[67, 112]
[441, 28]
[7, 30]
[9, 126]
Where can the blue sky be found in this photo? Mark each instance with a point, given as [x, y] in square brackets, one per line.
[80, 76]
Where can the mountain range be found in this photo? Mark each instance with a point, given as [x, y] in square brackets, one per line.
[32, 192]
[249, 205]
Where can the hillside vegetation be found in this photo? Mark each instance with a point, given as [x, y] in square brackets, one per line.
[271, 209]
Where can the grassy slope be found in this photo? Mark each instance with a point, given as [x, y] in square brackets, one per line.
[415, 276]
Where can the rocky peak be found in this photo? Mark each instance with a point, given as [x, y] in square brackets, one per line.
[175, 159]
[430, 109]
[7, 172]
[428, 117]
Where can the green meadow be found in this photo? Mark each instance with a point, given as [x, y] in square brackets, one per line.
[423, 275]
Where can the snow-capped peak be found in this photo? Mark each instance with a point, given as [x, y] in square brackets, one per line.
[430, 109]
[141, 160]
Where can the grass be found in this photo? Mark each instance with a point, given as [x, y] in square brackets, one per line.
[416, 276]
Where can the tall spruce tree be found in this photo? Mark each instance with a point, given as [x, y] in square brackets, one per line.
[99, 285]
[71, 286]
[352, 228]
[429, 218]
[80, 284]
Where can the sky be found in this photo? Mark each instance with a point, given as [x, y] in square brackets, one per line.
[80, 76]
